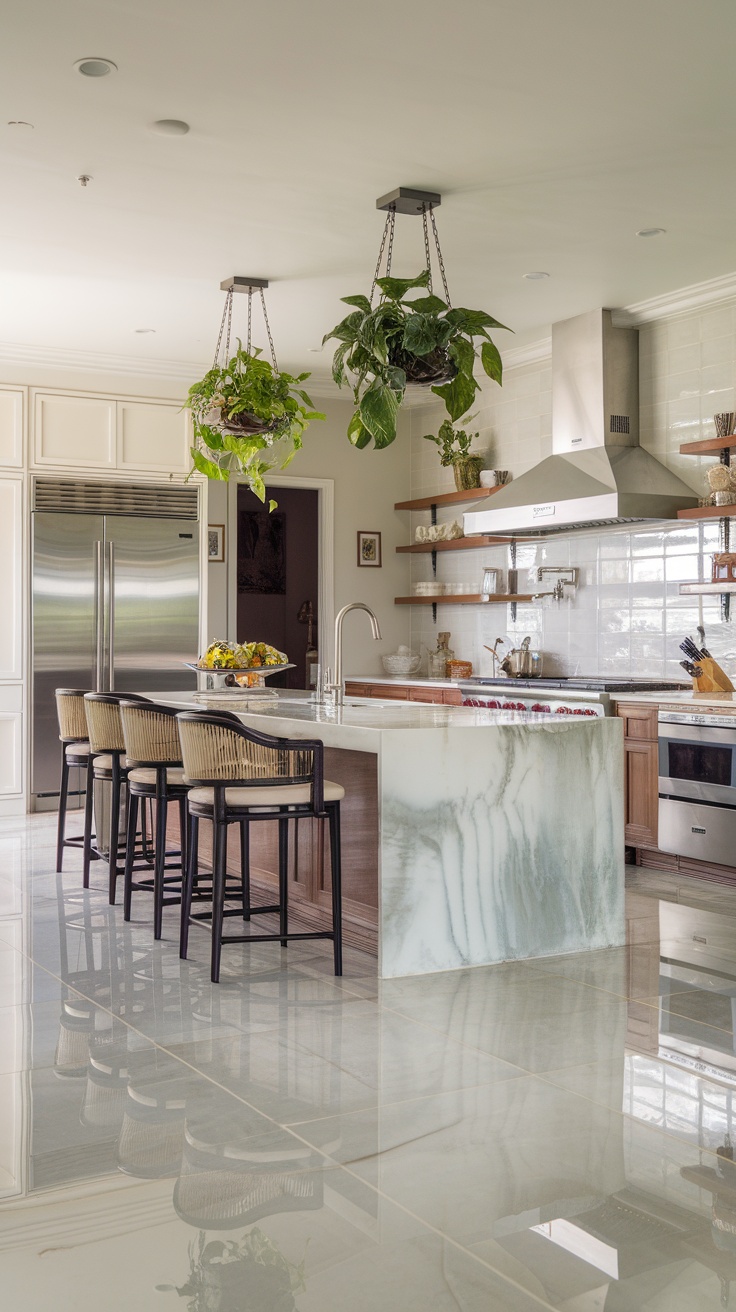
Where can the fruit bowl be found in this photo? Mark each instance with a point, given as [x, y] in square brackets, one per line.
[401, 663]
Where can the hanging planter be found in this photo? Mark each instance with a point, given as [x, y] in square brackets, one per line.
[245, 406]
[404, 340]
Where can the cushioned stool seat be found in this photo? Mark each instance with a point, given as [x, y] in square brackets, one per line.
[77, 749]
[269, 795]
[103, 762]
[144, 775]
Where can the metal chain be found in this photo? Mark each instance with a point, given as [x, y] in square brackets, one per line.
[388, 229]
[440, 260]
[250, 317]
[427, 255]
[226, 317]
[268, 330]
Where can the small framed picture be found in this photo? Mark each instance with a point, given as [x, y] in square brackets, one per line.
[369, 548]
[216, 544]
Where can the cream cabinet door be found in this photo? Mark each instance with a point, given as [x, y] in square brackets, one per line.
[153, 436]
[74, 431]
[11, 578]
[11, 427]
[11, 753]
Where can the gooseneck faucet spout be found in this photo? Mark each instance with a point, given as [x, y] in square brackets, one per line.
[338, 686]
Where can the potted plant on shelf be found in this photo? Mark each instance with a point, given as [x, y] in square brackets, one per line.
[400, 341]
[241, 410]
[454, 446]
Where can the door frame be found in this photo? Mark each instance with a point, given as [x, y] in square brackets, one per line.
[325, 488]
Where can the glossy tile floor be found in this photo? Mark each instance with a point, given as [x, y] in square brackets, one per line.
[552, 1135]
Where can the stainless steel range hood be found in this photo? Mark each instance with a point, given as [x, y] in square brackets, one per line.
[598, 474]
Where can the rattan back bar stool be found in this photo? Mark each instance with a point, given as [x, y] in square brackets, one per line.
[109, 763]
[237, 775]
[75, 753]
[155, 773]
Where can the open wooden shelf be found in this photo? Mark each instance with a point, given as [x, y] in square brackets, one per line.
[447, 499]
[707, 512]
[455, 544]
[709, 445]
[467, 599]
[723, 588]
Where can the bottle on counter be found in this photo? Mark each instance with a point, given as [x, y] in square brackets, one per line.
[437, 661]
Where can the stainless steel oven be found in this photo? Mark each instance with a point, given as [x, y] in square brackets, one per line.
[697, 785]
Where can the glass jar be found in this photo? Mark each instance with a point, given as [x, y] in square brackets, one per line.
[437, 660]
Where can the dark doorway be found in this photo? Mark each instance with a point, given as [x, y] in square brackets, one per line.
[278, 576]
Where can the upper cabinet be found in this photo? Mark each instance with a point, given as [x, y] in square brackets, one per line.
[97, 432]
[11, 427]
[153, 436]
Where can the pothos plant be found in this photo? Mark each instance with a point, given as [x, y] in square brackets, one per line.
[240, 411]
[409, 340]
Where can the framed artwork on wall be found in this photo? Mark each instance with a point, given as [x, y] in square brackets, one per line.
[369, 548]
[216, 544]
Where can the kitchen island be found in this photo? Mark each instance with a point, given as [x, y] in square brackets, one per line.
[498, 835]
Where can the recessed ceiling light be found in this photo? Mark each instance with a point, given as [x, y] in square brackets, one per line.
[18, 123]
[144, 330]
[537, 275]
[170, 127]
[316, 350]
[651, 232]
[94, 66]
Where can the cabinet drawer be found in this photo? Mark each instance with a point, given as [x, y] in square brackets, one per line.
[452, 697]
[433, 695]
[639, 722]
[387, 694]
[357, 689]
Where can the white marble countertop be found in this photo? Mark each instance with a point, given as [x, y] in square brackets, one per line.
[361, 723]
[720, 701]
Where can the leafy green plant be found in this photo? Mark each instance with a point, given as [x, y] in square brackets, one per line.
[242, 1275]
[243, 409]
[408, 340]
[454, 443]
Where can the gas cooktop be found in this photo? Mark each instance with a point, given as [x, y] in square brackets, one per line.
[583, 682]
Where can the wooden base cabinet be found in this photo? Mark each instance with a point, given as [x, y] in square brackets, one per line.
[641, 787]
[416, 692]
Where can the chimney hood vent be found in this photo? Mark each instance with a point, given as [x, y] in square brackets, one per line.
[597, 473]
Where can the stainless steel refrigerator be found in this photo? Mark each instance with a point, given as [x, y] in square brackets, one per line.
[115, 598]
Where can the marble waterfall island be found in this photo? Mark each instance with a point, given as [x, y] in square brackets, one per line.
[500, 835]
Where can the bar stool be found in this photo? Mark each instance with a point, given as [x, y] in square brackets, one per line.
[107, 745]
[155, 773]
[75, 753]
[238, 775]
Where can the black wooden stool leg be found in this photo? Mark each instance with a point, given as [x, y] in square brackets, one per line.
[88, 811]
[333, 810]
[188, 884]
[130, 854]
[219, 869]
[160, 863]
[283, 879]
[63, 794]
[183, 835]
[112, 854]
[245, 867]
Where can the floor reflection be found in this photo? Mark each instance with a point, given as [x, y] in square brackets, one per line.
[558, 1134]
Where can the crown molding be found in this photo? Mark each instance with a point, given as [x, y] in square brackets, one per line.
[685, 300]
[533, 353]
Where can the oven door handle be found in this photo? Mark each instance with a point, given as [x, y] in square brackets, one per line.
[697, 733]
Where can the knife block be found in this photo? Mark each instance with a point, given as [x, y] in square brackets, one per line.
[711, 677]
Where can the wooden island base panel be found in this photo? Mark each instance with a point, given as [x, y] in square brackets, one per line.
[310, 899]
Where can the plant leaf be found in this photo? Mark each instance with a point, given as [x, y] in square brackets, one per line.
[491, 360]
[472, 321]
[396, 288]
[462, 353]
[348, 328]
[378, 409]
[457, 395]
[208, 467]
[426, 305]
[395, 377]
[420, 334]
[360, 301]
[357, 433]
[272, 505]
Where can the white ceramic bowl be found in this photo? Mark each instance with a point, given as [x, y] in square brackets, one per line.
[396, 664]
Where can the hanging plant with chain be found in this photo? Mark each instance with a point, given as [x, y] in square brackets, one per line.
[420, 339]
[245, 407]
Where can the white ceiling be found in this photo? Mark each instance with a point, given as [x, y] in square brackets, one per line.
[554, 130]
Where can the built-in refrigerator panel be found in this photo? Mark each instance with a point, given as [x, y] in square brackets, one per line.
[153, 606]
[68, 554]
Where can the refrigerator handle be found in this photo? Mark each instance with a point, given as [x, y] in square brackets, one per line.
[99, 617]
[111, 619]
